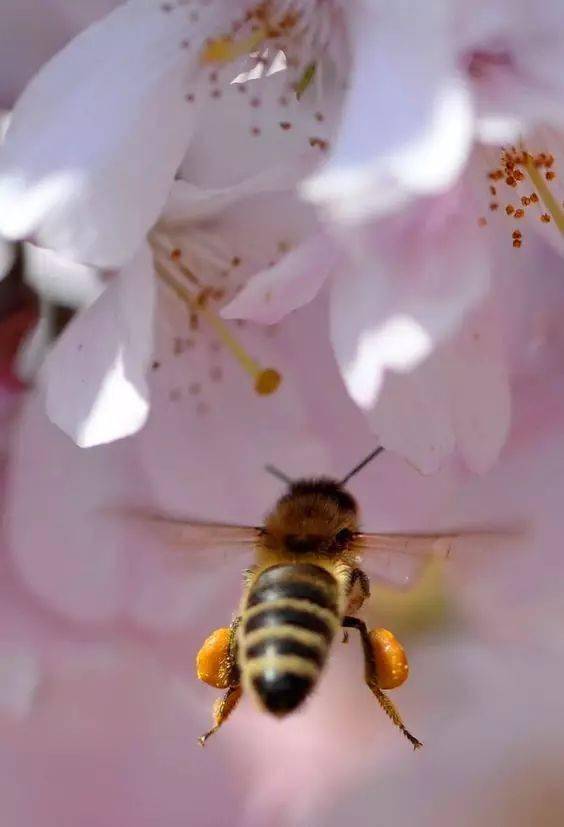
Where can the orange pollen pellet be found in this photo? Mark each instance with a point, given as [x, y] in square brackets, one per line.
[510, 209]
[176, 254]
[525, 200]
[390, 659]
[517, 243]
[519, 213]
[212, 659]
[534, 198]
[493, 190]
[510, 181]
[545, 218]
[517, 234]
[518, 175]
[550, 175]
[494, 206]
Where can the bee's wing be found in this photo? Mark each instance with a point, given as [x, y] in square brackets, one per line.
[196, 542]
[399, 559]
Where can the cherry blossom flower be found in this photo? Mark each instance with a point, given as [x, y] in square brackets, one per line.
[97, 177]
[489, 73]
[256, 121]
[415, 303]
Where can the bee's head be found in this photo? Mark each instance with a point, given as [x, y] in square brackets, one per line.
[314, 516]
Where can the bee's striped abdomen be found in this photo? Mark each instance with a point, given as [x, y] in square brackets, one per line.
[289, 621]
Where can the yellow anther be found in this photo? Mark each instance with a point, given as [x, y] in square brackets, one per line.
[225, 49]
[306, 79]
[267, 382]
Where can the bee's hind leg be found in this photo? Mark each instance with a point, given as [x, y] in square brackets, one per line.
[222, 709]
[371, 678]
[217, 666]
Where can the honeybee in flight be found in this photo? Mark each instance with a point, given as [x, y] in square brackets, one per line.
[305, 585]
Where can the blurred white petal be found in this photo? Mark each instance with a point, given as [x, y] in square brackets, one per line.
[96, 373]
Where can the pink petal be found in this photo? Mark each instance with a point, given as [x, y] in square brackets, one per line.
[262, 124]
[25, 46]
[395, 329]
[96, 139]
[409, 285]
[407, 125]
[293, 282]
[481, 396]
[95, 376]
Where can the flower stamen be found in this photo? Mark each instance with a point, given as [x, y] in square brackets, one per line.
[544, 192]
[515, 166]
[266, 380]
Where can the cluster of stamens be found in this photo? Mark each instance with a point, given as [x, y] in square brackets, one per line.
[518, 168]
[269, 29]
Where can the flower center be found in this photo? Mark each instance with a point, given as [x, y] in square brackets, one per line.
[302, 30]
[197, 297]
[523, 183]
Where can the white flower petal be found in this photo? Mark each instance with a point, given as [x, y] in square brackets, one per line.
[414, 278]
[407, 125]
[518, 61]
[96, 139]
[412, 415]
[294, 281]
[96, 374]
[458, 398]
[262, 125]
[480, 392]
[394, 329]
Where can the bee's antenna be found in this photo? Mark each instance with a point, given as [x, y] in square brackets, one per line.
[362, 464]
[278, 474]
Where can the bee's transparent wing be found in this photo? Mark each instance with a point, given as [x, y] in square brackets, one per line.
[399, 559]
[195, 542]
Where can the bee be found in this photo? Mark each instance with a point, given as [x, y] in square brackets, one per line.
[305, 585]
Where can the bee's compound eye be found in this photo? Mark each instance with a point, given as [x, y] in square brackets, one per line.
[391, 661]
[343, 537]
[212, 659]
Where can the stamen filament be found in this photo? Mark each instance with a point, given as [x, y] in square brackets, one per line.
[545, 193]
[267, 380]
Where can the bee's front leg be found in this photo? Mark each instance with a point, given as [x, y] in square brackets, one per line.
[358, 590]
[216, 665]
